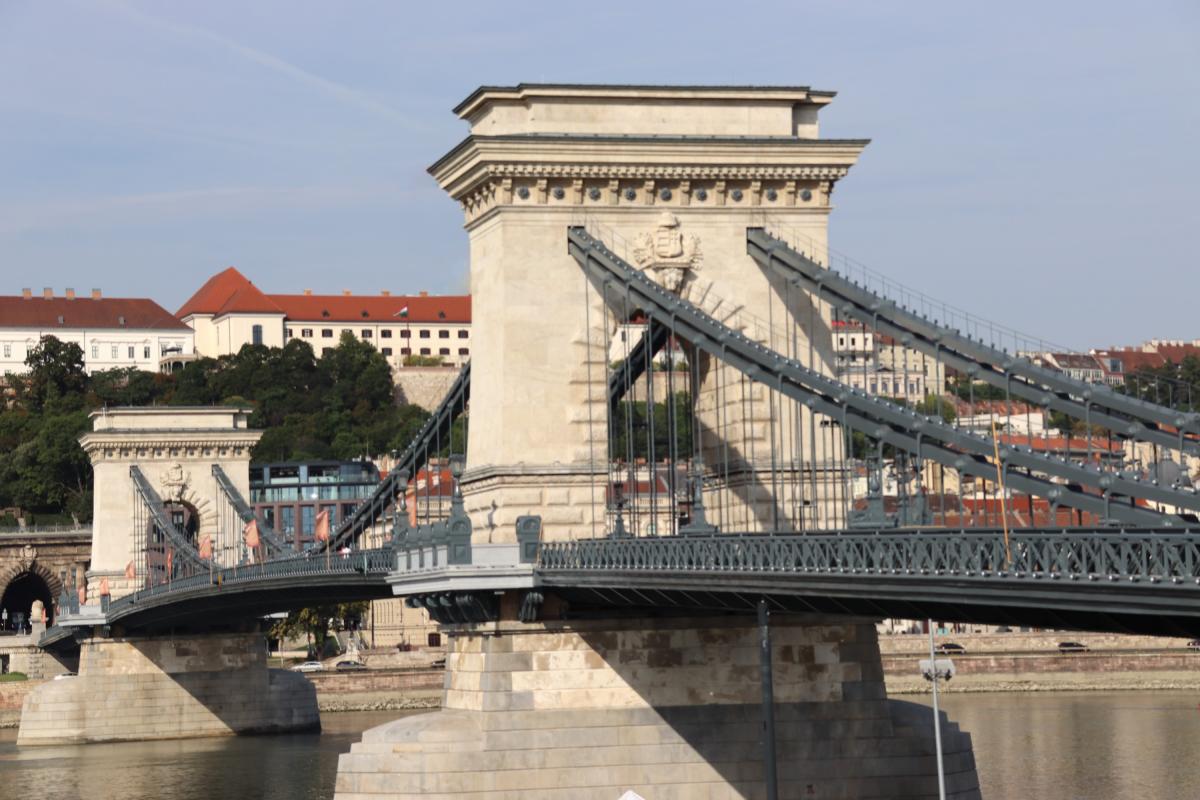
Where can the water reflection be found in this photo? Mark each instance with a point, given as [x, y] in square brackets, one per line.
[299, 767]
[1085, 746]
[1082, 746]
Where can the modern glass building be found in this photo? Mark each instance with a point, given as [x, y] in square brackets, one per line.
[288, 496]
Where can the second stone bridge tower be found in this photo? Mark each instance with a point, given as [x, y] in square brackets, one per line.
[670, 178]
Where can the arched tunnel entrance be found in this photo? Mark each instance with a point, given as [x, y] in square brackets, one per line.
[18, 599]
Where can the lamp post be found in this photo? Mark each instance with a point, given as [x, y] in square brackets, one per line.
[933, 670]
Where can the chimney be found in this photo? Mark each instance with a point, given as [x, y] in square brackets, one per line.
[345, 292]
[27, 293]
[70, 294]
[424, 293]
[386, 293]
[95, 294]
[48, 293]
[308, 292]
[121, 321]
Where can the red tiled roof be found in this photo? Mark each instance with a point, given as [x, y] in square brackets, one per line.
[85, 312]
[228, 292]
[377, 308]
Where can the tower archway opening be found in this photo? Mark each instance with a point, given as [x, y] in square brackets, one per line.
[17, 601]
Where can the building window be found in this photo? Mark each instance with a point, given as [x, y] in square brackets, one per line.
[114, 351]
[443, 334]
[366, 334]
[464, 351]
[463, 334]
[443, 351]
[289, 333]
[326, 333]
[95, 351]
[386, 333]
[387, 351]
[146, 352]
[306, 333]
[256, 335]
[406, 351]
[347, 330]
[424, 334]
[405, 334]
[424, 351]
[8, 351]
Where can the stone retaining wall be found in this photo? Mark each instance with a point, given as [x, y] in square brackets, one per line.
[394, 680]
[1041, 642]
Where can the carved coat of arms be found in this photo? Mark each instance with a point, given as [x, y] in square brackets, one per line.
[174, 482]
[666, 254]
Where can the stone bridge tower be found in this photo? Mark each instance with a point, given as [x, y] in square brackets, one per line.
[175, 448]
[669, 178]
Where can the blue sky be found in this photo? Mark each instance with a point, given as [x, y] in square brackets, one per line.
[1033, 162]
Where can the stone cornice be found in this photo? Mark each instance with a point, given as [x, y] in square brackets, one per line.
[117, 444]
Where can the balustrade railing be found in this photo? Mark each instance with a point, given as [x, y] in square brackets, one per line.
[1127, 556]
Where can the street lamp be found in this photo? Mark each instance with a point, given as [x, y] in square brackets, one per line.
[933, 670]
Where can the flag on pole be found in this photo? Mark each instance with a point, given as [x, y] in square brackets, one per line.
[130, 572]
[403, 312]
[82, 593]
[206, 547]
[104, 592]
[322, 530]
[170, 562]
[251, 534]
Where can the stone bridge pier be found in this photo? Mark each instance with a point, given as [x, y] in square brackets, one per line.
[169, 687]
[667, 708]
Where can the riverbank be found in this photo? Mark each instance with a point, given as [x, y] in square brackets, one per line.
[1031, 662]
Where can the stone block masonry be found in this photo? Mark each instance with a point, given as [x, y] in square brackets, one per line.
[169, 688]
[667, 708]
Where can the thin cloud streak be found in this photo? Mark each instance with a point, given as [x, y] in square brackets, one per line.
[338, 91]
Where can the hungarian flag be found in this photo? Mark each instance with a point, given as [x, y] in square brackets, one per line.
[206, 547]
[322, 531]
[403, 312]
[104, 587]
[130, 573]
[251, 534]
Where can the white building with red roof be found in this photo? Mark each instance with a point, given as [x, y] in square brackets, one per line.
[229, 311]
[114, 332]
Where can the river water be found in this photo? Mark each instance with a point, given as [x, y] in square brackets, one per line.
[1084, 746]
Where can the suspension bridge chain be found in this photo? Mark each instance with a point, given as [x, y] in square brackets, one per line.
[158, 516]
[429, 437]
[1097, 404]
[245, 512]
[882, 421]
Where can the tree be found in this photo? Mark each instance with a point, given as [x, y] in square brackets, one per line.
[315, 623]
[56, 375]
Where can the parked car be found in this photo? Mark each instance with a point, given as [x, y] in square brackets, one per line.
[309, 666]
[1072, 647]
[949, 648]
[1194, 644]
[64, 676]
[347, 666]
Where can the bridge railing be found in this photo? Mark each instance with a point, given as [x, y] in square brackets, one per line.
[378, 561]
[1054, 555]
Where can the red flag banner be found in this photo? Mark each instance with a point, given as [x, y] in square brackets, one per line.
[130, 573]
[104, 592]
[170, 561]
[251, 534]
[322, 531]
[82, 594]
[206, 547]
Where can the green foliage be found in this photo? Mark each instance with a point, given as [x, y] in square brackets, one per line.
[1175, 385]
[422, 361]
[631, 424]
[965, 389]
[338, 406]
[315, 623]
[12, 677]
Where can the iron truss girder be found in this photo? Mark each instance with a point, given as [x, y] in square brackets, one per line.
[887, 422]
[1129, 417]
